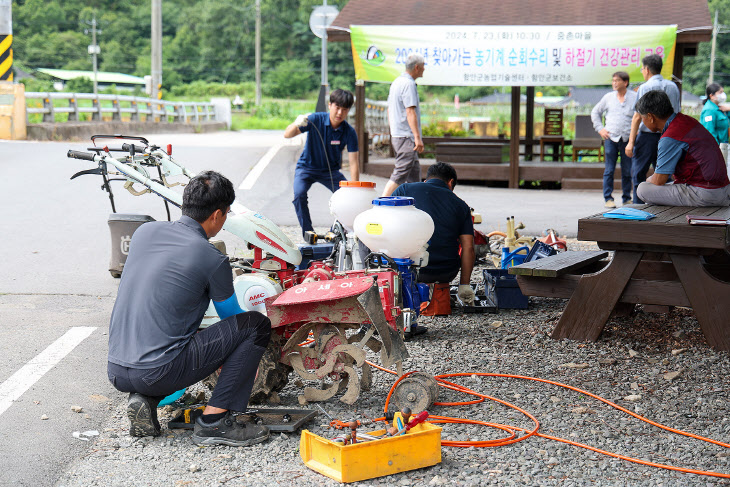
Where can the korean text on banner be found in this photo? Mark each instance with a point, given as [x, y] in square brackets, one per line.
[511, 55]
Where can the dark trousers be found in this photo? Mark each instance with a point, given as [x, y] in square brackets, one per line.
[645, 151]
[235, 345]
[303, 180]
[428, 277]
[613, 151]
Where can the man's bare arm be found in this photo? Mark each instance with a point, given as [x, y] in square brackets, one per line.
[658, 179]
[467, 258]
[354, 166]
[413, 124]
[292, 131]
[635, 122]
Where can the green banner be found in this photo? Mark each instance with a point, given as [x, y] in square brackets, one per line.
[511, 55]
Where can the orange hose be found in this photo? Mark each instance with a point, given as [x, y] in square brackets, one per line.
[513, 430]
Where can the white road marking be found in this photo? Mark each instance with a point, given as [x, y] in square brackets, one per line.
[258, 169]
[23, 379]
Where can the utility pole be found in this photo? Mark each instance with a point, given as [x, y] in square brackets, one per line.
[258, 52]
[712, 53]
[156, 46]
[321, 18]
[325, 82]
[94, 48]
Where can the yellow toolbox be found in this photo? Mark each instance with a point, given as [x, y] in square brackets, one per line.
[420, 447]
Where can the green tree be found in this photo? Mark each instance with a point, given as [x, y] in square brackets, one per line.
[697, 68]
[55, 49]
[290, 79]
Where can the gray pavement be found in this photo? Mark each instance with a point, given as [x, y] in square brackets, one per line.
[55, 250]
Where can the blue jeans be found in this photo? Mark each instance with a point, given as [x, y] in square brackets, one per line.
[235, 345]
[645, 151]
[303, 180]
[613, 150]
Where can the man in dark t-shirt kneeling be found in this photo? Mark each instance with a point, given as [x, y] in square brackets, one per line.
[453, 227]
[171, 274]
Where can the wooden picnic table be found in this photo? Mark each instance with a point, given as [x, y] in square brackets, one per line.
[663, 261]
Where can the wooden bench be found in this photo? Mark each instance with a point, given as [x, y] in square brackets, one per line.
[472, 152]
[558, 264]
[661, 262]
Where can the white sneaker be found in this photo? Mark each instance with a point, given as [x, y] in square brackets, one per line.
[610, 204]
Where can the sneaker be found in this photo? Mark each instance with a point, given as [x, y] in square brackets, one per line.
[142, 414]
[228, 431]
[415, 330]
[610, 204]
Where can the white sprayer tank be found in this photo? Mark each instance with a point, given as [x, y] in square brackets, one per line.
[350, 200]
[394, 227]
[251, 291]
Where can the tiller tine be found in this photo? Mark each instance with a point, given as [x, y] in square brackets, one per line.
[355, 301]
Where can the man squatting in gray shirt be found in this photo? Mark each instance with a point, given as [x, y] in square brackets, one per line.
[171, 274]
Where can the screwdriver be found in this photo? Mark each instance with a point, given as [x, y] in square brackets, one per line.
[417, 419]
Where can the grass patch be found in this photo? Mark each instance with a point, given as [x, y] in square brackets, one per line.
[242, 121]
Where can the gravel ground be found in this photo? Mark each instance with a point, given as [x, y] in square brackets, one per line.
[657, 365]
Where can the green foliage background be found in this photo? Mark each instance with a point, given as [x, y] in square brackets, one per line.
[211, 42]
[203, 41]
[697, 68]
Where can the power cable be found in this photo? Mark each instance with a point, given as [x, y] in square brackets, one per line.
[527, 433]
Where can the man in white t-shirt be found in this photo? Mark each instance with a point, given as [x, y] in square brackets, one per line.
[404, 117]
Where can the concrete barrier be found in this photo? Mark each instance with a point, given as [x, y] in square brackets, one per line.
[82, 131]
[12, 111]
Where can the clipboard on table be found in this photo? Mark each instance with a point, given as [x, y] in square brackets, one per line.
[707, 220]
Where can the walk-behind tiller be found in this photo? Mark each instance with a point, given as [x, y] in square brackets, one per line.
[317, 302]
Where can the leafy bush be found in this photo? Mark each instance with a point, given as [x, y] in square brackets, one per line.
[204, 89]
[79, 85]
[435, 130]
[293, 78]
[432, 130]
[32, 84]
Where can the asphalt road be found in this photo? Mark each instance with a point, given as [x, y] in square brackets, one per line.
[55, 248]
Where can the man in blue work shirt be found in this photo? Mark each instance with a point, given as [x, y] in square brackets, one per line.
[321, 158]
[452, 226]
[643, 143]
[170, 276]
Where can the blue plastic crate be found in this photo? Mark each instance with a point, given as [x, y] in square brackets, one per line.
[501, 288]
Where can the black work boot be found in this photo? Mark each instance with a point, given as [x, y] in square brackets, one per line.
[142, 414]
[227, 431]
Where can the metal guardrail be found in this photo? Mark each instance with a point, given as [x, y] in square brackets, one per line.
[376, 120]
[138, 109]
